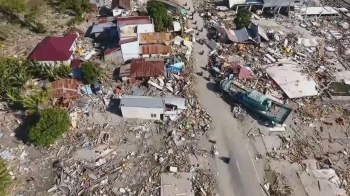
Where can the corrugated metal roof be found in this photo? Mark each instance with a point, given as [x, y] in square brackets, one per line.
[142, 102]
[64, 87]
[133, 20]
[149, 68]
[155, 38]
[155, 49]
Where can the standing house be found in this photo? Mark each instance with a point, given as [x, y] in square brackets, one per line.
[153, 108]
[119, 7]
[142, 107]
[55, 50]
[127, 26]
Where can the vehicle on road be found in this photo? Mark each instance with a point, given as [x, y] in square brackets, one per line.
[255, 102]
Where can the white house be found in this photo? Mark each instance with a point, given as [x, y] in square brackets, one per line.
[153, 108]
[55, 50]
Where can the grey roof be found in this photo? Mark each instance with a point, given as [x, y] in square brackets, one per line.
[142, 102]
[242, 35]
[99, 28]
[277, 3]
[179, 102]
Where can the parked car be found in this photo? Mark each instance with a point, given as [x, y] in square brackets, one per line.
[97, 88]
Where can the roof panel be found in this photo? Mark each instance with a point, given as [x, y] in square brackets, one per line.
[155, 38]
[143, 68]
[142, 101]
[155, 49]
[58, 47]
[133, 20]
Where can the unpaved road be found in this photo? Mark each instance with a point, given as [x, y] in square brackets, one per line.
[242, 176]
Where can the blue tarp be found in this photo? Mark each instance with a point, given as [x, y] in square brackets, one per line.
[77, 73]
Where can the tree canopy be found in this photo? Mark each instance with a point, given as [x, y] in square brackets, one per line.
[91, 73]
[158, 12]
[17, 6]
[243, 18]
[78, 6]
[53, 122]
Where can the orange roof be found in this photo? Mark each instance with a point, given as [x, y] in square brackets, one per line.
[155, 38]
[146, 68]
[155, 49]
[64, 88]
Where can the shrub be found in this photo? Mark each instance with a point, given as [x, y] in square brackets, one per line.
[242, 18]
[5, 177]
[52, 123]
[90, 72]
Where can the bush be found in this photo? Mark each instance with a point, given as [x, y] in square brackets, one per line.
[90, 72]
[78, 6]
[52, 124]
[62, 71]
[5, 177]
[158, 12]
[242, 18]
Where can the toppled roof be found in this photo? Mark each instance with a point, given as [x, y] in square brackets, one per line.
[155, 49]
[54, 48]
[125, 4]
[142, 102]
[180, 184]
[289, 77]
[155, 38]
[75, 63]
[146, 68]
[133, 20]
[100, 27]
[64, 88]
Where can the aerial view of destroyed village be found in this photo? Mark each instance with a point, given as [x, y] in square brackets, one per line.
[175, 97]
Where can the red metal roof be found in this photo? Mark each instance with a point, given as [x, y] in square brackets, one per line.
[54, 48]
[64, 88]
[133, 20]
[76, 63]
[121, 3]
[155, 49]
[149, 68]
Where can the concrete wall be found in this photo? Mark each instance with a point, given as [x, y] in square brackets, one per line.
[142, 113]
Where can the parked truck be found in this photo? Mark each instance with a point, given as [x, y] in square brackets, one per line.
[255, 102]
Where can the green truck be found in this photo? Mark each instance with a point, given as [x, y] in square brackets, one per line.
[255, 102]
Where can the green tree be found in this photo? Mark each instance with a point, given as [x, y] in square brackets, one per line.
[62, 71]
[243, 18]
[15, 6]
[78, 6]
[5, 177]
[53, 122]
[91, 73]
[158, 12]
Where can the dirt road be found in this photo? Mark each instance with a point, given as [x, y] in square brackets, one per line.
[241, 177]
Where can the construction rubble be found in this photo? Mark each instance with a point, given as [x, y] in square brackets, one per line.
[300, 61]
